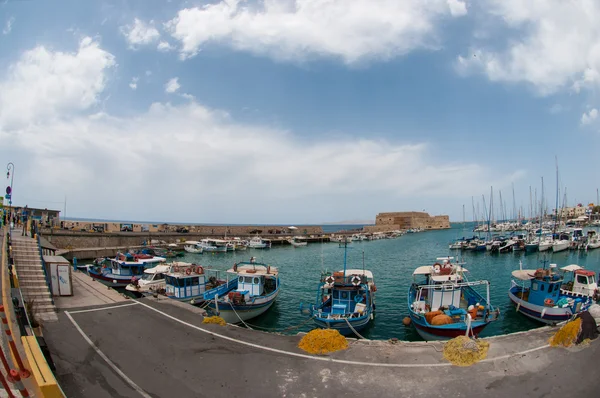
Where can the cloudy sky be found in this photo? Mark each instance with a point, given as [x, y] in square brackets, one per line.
[296, 111]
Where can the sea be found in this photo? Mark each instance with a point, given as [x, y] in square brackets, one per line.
[392, 262]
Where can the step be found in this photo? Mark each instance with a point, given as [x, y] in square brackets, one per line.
[39, 299]
[45, 308]
[30, 271]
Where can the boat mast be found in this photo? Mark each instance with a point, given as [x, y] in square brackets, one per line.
[345, 255]
[556, 207]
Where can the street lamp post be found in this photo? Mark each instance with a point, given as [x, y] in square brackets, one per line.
[10, 167]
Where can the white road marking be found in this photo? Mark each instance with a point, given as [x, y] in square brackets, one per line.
[103, 308]
[108, 361]
[342, 361]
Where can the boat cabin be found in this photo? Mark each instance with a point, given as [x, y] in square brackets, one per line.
[185, 280]
[343, 295]
[133, 265]
[583, 281]
[544, 287]
[442, 286]
[254, 280]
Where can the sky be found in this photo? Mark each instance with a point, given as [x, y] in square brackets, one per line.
[297, 111]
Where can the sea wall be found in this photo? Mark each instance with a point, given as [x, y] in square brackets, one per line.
[71, 239]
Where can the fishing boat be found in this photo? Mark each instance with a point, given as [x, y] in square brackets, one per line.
[345, 300]
[258, 243]
[193, 247]
[189, 282]
[255, 291]
[542, 298]
[152, 281]
[213, 245]
[118, 271]
[593, 241]
[298, 241]
[443, 304]
[561, 243]
[581, 283]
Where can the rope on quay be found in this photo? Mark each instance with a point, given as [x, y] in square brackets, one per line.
[235, 312]
[354, 330]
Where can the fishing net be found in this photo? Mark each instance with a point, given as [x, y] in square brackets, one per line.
[462, 351]
[323, 341]
[566, 335]
[215, 319]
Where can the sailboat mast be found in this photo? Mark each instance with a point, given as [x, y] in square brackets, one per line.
[557, 192]
[345, 255]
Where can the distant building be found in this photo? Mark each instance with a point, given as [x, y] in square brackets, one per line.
[46, 217]
[408, 220]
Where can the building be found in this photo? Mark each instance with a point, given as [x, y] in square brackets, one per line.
[46, 217]
[408, 220]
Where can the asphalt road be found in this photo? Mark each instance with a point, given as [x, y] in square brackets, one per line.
[166, 358]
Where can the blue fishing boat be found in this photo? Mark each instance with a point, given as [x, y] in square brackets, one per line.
[345, 300]
[187, 282]
[443, 304]
[255, 291]
[537, 294]
[119, 271]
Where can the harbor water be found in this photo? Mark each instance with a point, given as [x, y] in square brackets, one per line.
[392, 262]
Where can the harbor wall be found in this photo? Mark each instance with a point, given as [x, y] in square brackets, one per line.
[72, 239]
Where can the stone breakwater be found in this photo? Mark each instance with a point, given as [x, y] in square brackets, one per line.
[82, 238]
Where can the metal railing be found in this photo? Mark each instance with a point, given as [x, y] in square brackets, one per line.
[41, 253]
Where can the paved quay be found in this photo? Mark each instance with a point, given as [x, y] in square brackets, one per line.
[159, 348]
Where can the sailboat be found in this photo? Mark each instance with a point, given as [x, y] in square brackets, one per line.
[345, 299]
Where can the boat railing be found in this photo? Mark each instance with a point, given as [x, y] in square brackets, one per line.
[454, 284]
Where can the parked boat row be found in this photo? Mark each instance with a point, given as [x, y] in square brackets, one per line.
[442, 302]
[570, 239]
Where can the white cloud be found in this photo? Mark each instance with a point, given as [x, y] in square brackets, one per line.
[8, 26]
[172, 85]
[133, 84]
[288, 176]
[457, 8]
[148, 72]
[46, 84]
[164, 46]
[556, 45]
[352, 30]
[140, 33]
[589, 117]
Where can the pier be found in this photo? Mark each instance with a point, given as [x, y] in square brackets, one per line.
[160, 348]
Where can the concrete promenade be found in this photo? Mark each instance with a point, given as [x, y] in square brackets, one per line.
[159, 348]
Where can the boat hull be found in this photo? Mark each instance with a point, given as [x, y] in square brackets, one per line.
[429, 333]
[110, 280]
[551, 316]
[243, 312]
[341, 326]
[560, 246]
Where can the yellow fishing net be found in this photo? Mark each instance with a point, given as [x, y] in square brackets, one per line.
[215, 319]
[566, 335]
[462, 351]
[323, 341]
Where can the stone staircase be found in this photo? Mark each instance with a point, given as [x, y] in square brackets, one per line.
[32, 280]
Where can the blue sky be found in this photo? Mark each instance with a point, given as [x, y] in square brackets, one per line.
[299, 111]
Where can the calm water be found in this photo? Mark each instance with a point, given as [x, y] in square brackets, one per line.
[392, 262]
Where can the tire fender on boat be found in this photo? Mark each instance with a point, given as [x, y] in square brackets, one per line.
[188, 271]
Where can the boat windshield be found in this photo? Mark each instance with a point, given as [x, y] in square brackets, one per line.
[147, 277]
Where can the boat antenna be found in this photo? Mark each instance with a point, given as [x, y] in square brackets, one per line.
[345, 254]
[363, 262]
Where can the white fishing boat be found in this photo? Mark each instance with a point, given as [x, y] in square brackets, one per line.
[593, 241]
[213, 245]
[298, 241]
[560, 245]
[192, 246]
[257, 243]
[255, 292]
[151, 282]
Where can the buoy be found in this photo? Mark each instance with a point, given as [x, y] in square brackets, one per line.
[406, 321]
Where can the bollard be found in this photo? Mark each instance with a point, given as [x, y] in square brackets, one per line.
[24, 372]
[74, 263]
[6, 386]
[18, 383]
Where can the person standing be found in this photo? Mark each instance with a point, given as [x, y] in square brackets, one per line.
[24, 221]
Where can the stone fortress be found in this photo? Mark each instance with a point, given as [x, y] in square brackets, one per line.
[408, 220]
